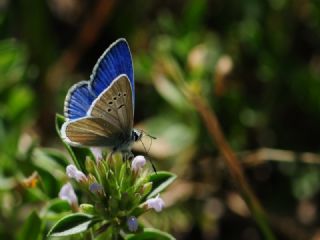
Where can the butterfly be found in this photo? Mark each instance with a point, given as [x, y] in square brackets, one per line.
[100, 112]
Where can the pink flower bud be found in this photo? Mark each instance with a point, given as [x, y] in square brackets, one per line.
[73, 172]
[156, 203]
[137, 163]
[67, 193]
[97, 153]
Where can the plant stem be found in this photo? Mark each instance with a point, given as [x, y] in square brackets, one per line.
[210, 120]
[171, 69]
[89, 235]
[102, 229]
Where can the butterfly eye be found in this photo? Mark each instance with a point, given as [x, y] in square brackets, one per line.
[119, 94]
[110, 103]
[124, 94]
[109, 109]
[114, 98]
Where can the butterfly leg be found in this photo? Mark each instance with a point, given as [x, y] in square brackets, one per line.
[130, 156]
[127, 156]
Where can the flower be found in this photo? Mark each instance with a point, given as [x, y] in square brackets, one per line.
[96, 188]
[67, 193]
[156, 203]
[97, 153]
[132, 223]
[137, 163]
[73, 172]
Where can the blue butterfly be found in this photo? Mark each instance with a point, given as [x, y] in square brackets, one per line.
[99, 112]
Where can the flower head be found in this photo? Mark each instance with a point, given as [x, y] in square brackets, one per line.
[67, 193]
[73, 172]
[156, 203]
[137, 163]
[132, 223]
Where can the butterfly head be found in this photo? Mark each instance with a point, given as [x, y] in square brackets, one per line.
[136, 135]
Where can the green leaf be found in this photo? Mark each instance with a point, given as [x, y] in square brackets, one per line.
[160, 181]
[168, 90]
[57, 155]
[15, 108]
[87, 208]
[55, 210]
[31, 228]
[12, 62]
[150, 234]
[7, 183]
[78, 155]
[35, 195]
[44, 161]
[58, 206]
[72, 224]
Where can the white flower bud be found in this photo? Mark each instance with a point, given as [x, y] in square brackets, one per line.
[156, 203]
[67, 193]
[137, 163]
[73, 172]
[97, 153]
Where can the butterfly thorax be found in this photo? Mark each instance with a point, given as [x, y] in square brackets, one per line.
[125, 146]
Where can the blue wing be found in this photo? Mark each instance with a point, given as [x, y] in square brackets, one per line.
[116, 60]
[78, 100]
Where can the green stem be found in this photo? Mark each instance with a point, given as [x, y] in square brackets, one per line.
[89, 235]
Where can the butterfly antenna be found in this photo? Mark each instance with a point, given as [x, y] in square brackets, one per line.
[150, 142]
[152, 137]
[147, 134]
[147, 154]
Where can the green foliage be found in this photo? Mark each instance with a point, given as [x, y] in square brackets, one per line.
[72, 224]
[14, 113]
[150, 233]
[160, 180]
[12, 63]
[115, 192]
[31, 228]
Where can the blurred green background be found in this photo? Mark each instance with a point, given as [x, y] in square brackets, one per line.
[257, 63]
